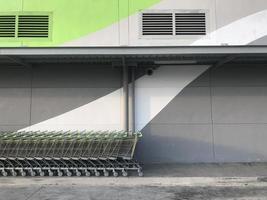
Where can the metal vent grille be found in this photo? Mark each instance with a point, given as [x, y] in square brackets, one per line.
[157, 23]
[190, 23]
[33, 26]
[7, 25]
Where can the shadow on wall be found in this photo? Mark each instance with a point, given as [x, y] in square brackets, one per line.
[164, 148]
[153, 149]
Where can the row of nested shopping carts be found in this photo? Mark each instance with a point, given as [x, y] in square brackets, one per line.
[71, 153]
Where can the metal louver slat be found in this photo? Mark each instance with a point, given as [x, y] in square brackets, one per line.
[157, 24]
[7, 26]
[190, 23]
[33, 26]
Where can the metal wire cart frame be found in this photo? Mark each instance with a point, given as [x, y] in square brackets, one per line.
[62, 153]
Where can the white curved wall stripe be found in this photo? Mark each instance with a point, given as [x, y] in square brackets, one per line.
[153, 93]
[101, 114]
[240, 32]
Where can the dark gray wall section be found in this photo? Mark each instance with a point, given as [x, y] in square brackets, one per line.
[239, 96]
[14, 106]
[29, 96]
[261, 41]
[219, 117]
[50, 102]
[191, 106]
[240, 142]
[15, 98]
[233, 75]
[76, 76]
[15, 77]
[239, 104]
[170, 143]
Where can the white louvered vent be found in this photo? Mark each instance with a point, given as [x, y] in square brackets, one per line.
[157, 23]
[34, 26]
[7, 26]
[190, 23]
[174, 23]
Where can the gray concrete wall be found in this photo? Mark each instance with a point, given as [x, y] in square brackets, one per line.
[220, 117]
[29, 96]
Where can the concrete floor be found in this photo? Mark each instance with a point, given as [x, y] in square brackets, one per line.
[137, 193]
[206, 170]
[174, 182]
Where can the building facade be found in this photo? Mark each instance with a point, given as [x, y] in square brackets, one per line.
[189, 108]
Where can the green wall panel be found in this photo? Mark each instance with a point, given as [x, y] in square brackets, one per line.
[11, 5]
[75, 18]
[72, 19]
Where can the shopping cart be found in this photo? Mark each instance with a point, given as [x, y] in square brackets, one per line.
[69, 153]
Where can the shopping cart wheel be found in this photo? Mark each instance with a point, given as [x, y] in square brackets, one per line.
[50, 173]
[106, 174]
[124, 173]
[41, 173]
[115, 174]
[68, 173]
[32, 173]
[97, 173]
[87, 173]
[23, 173]
[140, 173]
[59, 173]
[4, 173]
[78, 173]
[13, 173]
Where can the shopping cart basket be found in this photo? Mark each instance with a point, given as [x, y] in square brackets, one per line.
[68, 153]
